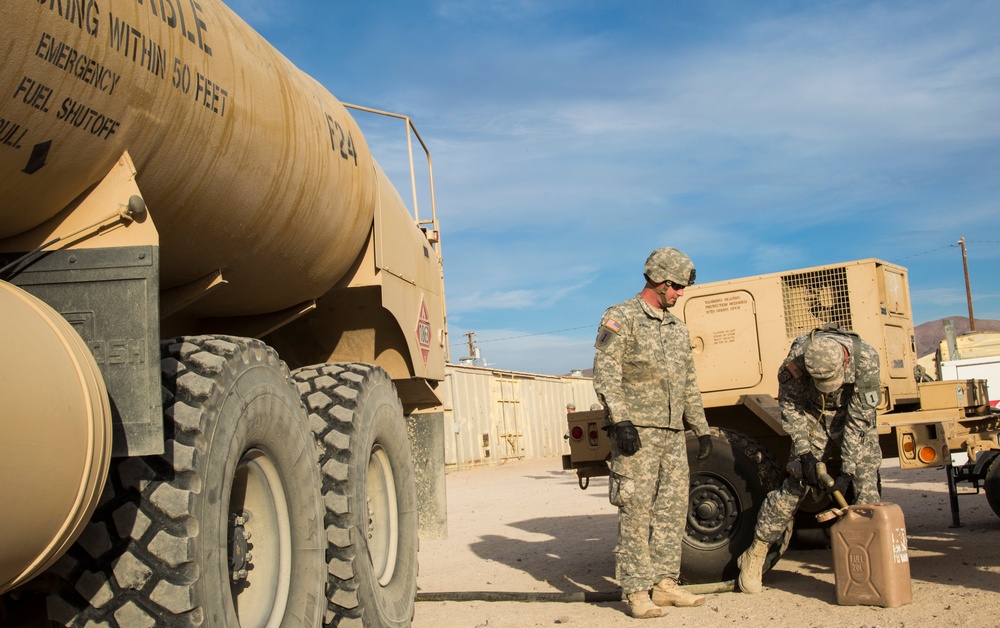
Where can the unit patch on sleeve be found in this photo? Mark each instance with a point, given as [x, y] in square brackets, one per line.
[789, 370]
[871, 398]
[608, 331]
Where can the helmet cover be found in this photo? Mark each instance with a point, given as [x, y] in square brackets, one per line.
[669, 264]
[824, 359]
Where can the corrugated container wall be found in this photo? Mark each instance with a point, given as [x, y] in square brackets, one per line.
[491, 416]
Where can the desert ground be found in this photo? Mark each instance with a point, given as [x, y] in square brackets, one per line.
[525, 531]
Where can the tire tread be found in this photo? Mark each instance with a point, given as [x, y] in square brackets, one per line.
[334, 395]
[135, 564]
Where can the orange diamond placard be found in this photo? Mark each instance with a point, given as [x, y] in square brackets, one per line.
[424, 331]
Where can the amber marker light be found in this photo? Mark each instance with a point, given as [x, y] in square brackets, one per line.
[927, 454]
[908, 447]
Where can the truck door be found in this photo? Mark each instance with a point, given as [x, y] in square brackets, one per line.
[725, 341]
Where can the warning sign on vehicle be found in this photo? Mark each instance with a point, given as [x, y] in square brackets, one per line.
[424, 331]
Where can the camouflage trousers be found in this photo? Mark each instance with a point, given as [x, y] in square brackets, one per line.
[779, 507]
[651, 490]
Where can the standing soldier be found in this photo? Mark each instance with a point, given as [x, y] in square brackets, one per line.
[828, 389]
[644, 376]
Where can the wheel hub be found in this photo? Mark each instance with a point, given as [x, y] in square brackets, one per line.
[239, 545]
[260, 583]
[714, 512]
[383, 517]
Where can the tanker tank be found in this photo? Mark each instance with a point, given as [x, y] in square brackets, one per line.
[247, 164]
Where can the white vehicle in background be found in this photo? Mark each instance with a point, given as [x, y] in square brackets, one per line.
[974, 355]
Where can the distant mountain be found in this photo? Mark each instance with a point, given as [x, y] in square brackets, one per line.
[930, 334]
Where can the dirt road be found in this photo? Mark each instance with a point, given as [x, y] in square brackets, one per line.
[526, 527]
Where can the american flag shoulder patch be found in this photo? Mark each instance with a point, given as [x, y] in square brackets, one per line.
[613, 325]
[793, 369]
[789, 370]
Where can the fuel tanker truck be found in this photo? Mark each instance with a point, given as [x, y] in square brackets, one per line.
[222, 333]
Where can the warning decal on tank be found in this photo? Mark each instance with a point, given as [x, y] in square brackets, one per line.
[424, 331]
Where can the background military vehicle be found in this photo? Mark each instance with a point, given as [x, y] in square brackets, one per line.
[222, 332]
[741, 331]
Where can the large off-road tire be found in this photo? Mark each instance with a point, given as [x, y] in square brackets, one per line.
[369, 491]
[991, 485]
[225, 528]
[727, 490]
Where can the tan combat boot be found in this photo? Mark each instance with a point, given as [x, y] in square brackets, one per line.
[751, 565]
[640, 606]
[667, 592]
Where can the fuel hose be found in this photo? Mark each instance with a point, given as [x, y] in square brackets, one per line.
[590, 597]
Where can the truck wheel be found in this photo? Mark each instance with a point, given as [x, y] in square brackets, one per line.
[223, 529]
[727, 491]
[992, 485]
[369, 491]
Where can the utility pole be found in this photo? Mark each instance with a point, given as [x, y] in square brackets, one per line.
[472, 343]
[968, 287]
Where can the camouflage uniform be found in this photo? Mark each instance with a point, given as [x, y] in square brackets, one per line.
[644, 373]
[831, 425]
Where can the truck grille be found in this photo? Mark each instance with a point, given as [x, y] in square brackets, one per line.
[814, 298]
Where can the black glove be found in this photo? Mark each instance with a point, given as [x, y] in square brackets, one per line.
[809, 463]
[704, 447]
[842, 484]
[626, 437]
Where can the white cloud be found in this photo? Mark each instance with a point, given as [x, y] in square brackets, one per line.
[524, 299]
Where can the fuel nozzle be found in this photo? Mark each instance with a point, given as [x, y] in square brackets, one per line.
[828, 482]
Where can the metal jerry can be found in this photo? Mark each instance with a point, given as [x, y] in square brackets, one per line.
[870, 563]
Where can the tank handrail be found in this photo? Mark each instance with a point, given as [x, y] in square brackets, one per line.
[413, 182]
[434, 236]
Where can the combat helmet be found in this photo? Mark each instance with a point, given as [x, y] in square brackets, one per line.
[824, 360]
[669, 264]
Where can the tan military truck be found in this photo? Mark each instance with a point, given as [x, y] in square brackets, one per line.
[741, 331]
[221, 331]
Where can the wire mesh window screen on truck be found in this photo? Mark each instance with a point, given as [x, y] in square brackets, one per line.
[815, 295]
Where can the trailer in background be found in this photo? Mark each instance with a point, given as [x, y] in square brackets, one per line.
[492, 416]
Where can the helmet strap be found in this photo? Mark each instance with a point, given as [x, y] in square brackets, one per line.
[663, 295]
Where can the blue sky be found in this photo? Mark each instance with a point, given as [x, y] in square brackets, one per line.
[572, 137]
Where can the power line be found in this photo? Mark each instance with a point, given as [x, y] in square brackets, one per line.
[541, 333]
[558, 331]
[927, 252]
[950, 246]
